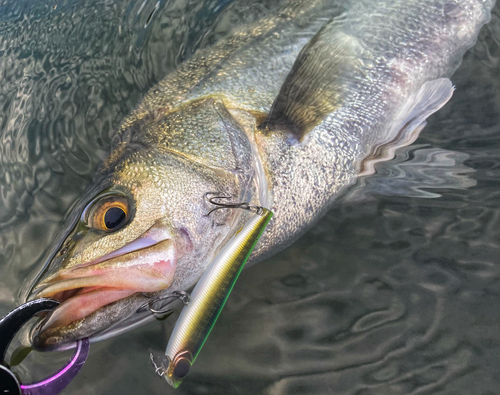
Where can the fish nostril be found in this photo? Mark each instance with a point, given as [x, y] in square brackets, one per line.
[65, 248]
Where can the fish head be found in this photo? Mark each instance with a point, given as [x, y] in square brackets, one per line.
[143, 229]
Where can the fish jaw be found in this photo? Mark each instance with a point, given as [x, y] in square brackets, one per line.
[85, 289]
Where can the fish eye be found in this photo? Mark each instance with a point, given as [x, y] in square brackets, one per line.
[109, 214]
[114, 217]
[181, 368]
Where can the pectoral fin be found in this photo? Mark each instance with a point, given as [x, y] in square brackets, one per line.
[313, 90]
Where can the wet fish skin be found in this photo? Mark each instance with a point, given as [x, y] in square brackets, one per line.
[390, 49]
[165, 180]
[202, 129]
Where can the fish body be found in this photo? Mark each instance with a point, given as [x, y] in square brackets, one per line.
[284, 113]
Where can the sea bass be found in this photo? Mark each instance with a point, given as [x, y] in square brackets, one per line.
[283, 113]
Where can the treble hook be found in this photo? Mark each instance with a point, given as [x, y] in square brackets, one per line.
[159, 370]
[183, 296]
[242, 205]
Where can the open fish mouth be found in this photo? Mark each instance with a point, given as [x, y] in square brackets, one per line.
[139, 267]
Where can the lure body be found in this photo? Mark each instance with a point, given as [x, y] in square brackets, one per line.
[208, 298]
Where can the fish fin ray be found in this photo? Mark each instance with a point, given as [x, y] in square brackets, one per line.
[410, 121]
[312, 89]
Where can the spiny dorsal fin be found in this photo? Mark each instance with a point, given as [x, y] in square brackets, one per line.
[312, 89]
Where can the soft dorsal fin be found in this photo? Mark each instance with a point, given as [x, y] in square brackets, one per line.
[312, 90]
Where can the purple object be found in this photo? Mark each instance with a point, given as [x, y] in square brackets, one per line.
[9, 326]
[56, 383]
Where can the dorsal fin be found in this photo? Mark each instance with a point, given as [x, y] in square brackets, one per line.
[312, 90]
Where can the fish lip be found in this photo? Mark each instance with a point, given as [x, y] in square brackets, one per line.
[86, 288]
[47, 340]
[143, 242]
[73, 278]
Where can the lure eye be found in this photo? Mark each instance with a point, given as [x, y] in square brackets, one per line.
[109, 214]
[181, 368]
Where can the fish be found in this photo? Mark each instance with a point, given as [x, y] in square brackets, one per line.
[285, 113]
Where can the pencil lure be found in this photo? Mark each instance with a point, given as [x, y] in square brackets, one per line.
[208, 298]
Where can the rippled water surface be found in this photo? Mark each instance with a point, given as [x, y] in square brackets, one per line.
[395, 291]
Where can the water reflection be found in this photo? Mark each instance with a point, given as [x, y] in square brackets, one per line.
[389, 294]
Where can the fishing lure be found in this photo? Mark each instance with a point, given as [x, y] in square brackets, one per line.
[208, 298]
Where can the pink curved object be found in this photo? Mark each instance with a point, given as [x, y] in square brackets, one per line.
[56, 383]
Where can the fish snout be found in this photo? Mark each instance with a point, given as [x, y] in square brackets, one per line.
[142, 266]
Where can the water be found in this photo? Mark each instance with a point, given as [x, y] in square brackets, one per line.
[385, 295]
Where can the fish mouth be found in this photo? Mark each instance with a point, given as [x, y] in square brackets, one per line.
[143, 266]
